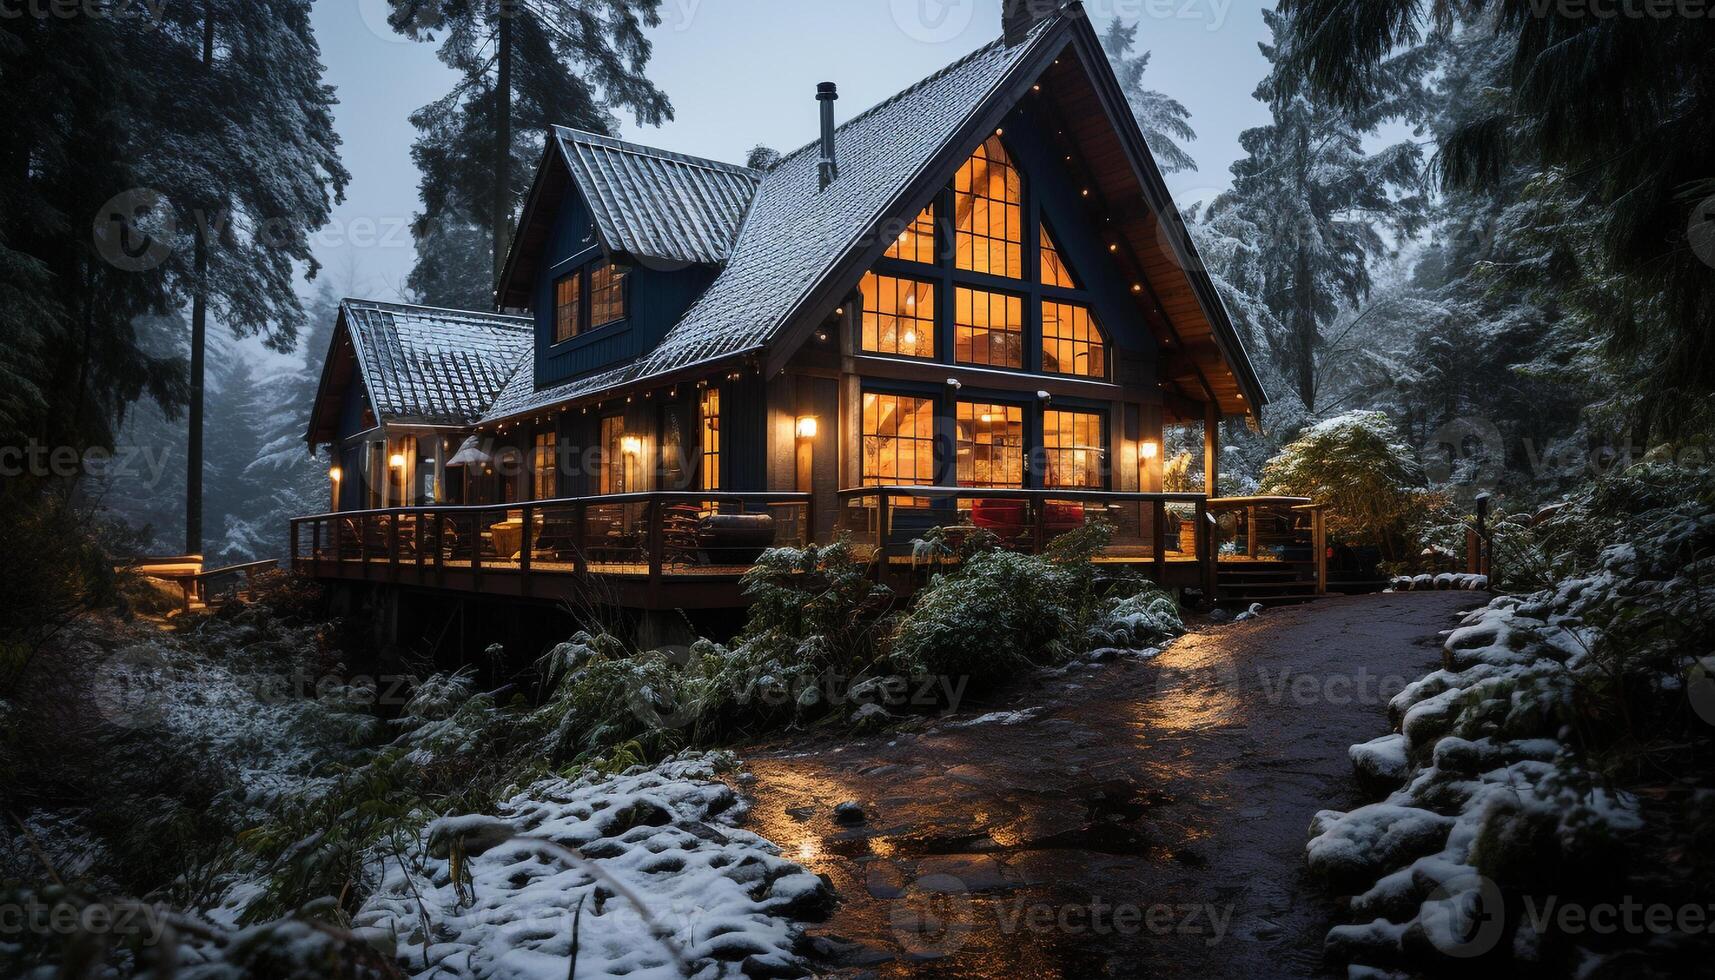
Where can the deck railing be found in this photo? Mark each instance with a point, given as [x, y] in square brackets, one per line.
[1156, 530]
[1179, 538]
[652, 535]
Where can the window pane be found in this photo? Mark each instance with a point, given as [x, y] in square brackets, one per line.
[711, 412]
[613, 454]
[542, 467]
[607, 294]
[917, 242]
[990, 444]
[568, 302]
[898, 440]
[1072, 341]
[1054, 271]
[988, 328]
[1072, 448]
[988, 204]
[898, 316]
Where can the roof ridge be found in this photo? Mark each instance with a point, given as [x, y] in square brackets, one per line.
[517, 319]
[644, 149]
[926, 80]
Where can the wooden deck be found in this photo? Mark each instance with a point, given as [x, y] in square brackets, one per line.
[690, 550]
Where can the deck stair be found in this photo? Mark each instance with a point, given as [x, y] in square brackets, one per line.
[1242, 583]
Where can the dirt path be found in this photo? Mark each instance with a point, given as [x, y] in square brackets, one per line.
[1149, 820]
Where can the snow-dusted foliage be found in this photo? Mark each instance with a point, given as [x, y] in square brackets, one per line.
[1526, 773]
[644, 874]
[1137, 622]
[1164, 121]
[1355, 464]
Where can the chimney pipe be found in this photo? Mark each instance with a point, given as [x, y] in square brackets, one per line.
[828, 168]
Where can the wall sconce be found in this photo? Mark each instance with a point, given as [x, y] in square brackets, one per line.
[336, 474]
[806, 427]
[1149, 449]
[631, 445]
[397, 461]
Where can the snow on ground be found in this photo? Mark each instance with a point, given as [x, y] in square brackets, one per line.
[998, 718]
[660, 882]
[1464, 581]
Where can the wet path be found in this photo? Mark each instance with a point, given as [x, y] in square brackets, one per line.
[1148, 820]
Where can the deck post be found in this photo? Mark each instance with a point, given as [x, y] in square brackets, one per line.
[1205, 542]
[293, 544]
[1319, 539]
[316, 543]
[475, 552]
[440, 547]
[882, 516]
[528, 513]
[580, 561]
[1250, 530]
[1212, 449]
[657, 542]
[338, 551]
[365, 528]
[1158, 537]
[393, 545]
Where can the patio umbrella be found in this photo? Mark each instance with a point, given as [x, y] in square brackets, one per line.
[471, 453]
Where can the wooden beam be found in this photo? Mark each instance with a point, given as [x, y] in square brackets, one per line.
[1212, 449]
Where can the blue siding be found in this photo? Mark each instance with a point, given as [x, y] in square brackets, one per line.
[656, 299]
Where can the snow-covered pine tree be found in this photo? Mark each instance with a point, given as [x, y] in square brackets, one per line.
[1320, 207]
[1164, 121]
[524, 67]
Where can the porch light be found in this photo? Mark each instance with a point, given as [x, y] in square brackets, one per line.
[806, 427]
[397, 461]
[1150, 449]
[336, 474]
[631, 445]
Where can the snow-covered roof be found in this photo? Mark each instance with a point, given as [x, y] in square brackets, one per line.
[432, 366]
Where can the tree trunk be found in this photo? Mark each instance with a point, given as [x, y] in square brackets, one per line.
[199, 345]
[503, 138]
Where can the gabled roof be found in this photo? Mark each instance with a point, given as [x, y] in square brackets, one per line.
[419, 364]
[800, 250]
[796, 234]
[655, 205]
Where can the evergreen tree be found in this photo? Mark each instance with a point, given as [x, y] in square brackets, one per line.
[1164, 121]
[1319, 207]
[1611, 116]
[524, 66]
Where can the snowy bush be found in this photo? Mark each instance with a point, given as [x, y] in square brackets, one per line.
[1145, 619]
[1537, 752]
[1356, 465]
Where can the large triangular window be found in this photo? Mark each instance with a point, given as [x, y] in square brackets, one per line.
[1055, 271]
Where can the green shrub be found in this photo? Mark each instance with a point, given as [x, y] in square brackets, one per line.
[1355, 464]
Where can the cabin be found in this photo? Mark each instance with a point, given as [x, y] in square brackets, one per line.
[972, 307]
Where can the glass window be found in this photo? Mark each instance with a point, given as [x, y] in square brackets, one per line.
[543, 458]
[917, 242]
[607, 294]
[898, 440]
[988, 328]
[711, 414]
[613, 454]
[988, 204]
[990, 445]
[898, 316]
[1054, 269]
[1072, 449]
[568, 306]
[1072, 341]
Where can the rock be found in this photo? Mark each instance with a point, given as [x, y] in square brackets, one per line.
[1351, 850]
[1381, 764]
[961, 874]
[871, 716]
[849, 813]
[747, 779]
[1219, 615]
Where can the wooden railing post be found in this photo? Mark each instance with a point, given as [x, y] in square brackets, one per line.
[1205, 543]
[1319, 538]
[528, 513]
[1158, 537]
[580, 560]
[440, 547]
[476, 551]
[656, 528]
[293, 544]
[393, 545]
[1039, 517]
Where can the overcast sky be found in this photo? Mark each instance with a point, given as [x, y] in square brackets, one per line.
[742, 72]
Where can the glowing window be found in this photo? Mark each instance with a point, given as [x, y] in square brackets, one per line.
[917, 242]
[898, 440]
[1072, 449]
[568, 306]
[1072, 341]
[1054, 269]
[711, 414]
[988, 205]
[607, 294]
[543, 458]
[990, 445]
[988, 328]
[613, 469]
[898, 316]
